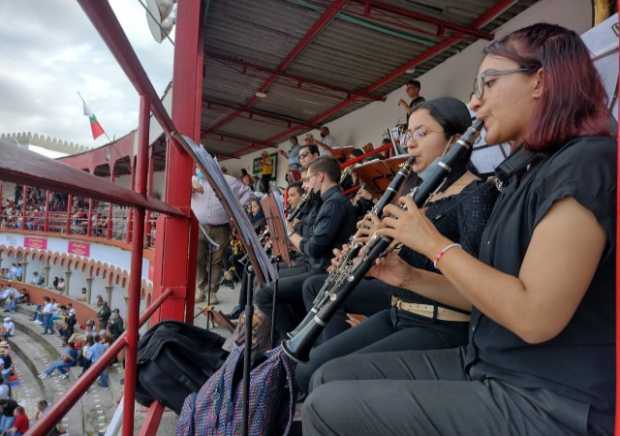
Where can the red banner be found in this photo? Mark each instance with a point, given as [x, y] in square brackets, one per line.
[79, 248]
[38, 243]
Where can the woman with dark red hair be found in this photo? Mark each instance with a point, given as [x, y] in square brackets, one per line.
[540, 358]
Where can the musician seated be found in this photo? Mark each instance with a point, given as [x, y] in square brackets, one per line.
[460, 210]
[332, 227]
[541, 352]
[294, 194]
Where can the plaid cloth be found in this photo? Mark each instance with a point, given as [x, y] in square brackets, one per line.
[217, 408]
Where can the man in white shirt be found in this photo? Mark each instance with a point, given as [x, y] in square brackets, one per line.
[327, 142]
[9, 327]
[213, 217]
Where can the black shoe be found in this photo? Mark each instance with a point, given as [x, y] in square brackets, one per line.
[236, 313]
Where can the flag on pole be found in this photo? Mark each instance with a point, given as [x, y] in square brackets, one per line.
[95, 127]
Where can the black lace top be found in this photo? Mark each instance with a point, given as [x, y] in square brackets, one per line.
[461, 218]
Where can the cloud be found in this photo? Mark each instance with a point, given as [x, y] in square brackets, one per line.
[50, 51]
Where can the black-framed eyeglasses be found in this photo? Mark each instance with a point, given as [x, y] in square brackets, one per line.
[481, 79]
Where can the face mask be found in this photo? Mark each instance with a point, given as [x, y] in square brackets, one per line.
[199, 174]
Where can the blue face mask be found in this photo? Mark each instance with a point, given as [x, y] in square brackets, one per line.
[199, 174]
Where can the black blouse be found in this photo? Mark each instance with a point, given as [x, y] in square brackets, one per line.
[461, 218]
[578, 363]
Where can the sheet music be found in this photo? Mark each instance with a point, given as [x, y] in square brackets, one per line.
[211, 168]
[279, 199]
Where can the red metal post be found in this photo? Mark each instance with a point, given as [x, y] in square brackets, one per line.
[89, 225]
[46, 220]
[1, 201]
[149, 192]
[135, 276]
[328, 14]
[617, 424]
[111, 207]
[24, 205]
[191, 273]
[130, 212]
[69, 210]
[152, 419]
[173, 234]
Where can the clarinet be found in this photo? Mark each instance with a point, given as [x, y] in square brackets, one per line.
[298, 346]
[300, 206]
[346, 264]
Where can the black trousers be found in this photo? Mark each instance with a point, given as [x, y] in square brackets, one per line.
[369, 297]
[428, 393]
[290, 308]
[388, 330]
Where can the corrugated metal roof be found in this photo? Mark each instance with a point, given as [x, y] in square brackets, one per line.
[350, 53]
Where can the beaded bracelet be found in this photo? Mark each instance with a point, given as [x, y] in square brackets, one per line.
[443, 251]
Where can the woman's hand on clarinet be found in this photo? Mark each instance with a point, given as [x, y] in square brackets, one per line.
[394, 271]
[412, 228]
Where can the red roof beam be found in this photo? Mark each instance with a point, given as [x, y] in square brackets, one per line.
[328, 14]
[298, 79]
[484, 19]
[369, 5]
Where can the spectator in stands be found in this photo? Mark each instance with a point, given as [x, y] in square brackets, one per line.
[68, 323]
[61, 285]
[7, 406]
[293, 173]
[266, 171]
[116, 326]
[21, 423]
[37, 318]
[327, 142]
[67, 360]
[413, 88]
[96, 351]
[6, 362]
[8, 327]
[91, 328]
[10, 304]
[85, 353]
[103, 313]
[212, 215]
[41, 409]
[48, 315]
[37, 279]
[5, 389]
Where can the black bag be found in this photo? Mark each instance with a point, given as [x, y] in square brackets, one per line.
[175, 360]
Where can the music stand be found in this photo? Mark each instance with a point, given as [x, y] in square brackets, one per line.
[342, 153]
[277, 229]
[377, 174]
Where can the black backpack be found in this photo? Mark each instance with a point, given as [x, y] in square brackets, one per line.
[175, 360]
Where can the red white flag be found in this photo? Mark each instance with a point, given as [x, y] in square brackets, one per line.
[95, 127]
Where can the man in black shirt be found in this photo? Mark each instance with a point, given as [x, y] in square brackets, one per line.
[334, 223]
[413, 91]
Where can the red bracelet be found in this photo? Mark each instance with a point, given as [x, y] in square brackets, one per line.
[443, 251]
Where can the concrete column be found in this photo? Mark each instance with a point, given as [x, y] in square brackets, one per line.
[46, 274]
[89, 289]
[25, 270]
[109, 290]
[67, 281]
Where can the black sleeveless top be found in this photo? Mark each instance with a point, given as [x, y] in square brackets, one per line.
[578, 363]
